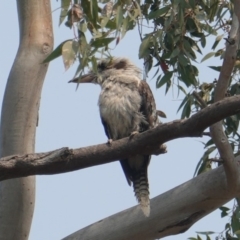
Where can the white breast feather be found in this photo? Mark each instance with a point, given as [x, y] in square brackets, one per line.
[119, 106]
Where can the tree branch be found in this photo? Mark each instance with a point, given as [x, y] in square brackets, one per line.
[172, 212]
[66, 160]
[217, 133]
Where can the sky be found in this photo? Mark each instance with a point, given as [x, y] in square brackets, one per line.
[68, 202]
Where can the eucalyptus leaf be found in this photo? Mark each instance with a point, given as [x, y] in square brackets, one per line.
[65, 4]
[159, 12]
[144, 47]
[166, 78]
[207, 56]
[101, 42]
[119, 17]
[57, 52]
[68, 54]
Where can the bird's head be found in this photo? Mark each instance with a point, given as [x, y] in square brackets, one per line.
[107, 68]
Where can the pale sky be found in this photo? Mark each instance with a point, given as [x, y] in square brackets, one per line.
[68, 202]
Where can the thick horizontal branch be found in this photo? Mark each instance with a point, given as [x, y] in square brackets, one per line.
[172, 212]
[66, 160]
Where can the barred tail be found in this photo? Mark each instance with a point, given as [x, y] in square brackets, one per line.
[141, 189]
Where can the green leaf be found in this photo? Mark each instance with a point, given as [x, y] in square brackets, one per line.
[69, 51]
[207, 56]
[218, 69]
[224, 211]
[155, 74]
[125, 26]
[187, 108]
[182, 89]
[104, 21]
[187, 74]
[94, 64]
[94, 11]
[169, 41]
[64, 10]
[203, 41]
[175, 52]
[166, 78]
[209, 143]
[192, 3]
[83, 45]
[183, 60]
[119, 17]
[198, 237]
[201, 16]
[57, 52]
[83, 26]
[101, 42]
[204, 167]
[188, 45]
[159, 12]
[203, 164]
[227, 226]
[148, 65]
[168, 85]
[208, 29]
[206, 233]
[144, 47]
[217, 40]
[183, 102]
[235, 223]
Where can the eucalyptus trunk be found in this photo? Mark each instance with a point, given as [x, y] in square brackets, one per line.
[19, 115]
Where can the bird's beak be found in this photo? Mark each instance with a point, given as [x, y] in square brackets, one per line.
[88, 78]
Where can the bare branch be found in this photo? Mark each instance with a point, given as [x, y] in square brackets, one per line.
[149, 142]
[217, 133]
[172, 212]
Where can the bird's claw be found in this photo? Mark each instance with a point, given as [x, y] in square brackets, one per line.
[133, 134]
[109, 142]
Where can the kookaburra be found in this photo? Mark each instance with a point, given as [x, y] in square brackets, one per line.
[126, 107]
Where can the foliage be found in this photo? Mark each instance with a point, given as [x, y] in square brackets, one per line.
[232, 228]
[180, 30]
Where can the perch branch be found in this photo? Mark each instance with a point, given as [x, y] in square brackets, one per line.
[66, 160]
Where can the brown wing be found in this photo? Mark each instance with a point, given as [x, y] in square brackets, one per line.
[148, 106]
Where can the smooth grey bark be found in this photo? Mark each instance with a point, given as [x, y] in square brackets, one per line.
[20, 113]
[172, 212]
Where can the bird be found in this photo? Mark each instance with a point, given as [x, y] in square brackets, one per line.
[127, 107]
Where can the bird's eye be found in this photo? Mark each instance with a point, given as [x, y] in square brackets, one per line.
[101, 66]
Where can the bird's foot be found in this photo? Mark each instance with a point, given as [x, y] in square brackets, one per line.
[133, 134]
[109, 142]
